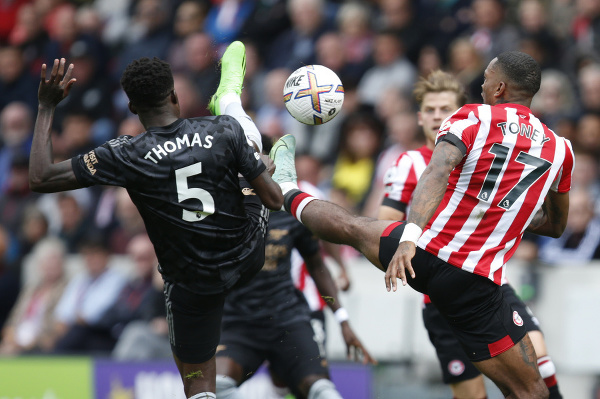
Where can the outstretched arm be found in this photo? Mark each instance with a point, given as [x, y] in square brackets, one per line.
[427, 197]
[551, 219]
[44, 174]
[326, 286]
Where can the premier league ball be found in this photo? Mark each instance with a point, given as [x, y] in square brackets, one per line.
[313, 94]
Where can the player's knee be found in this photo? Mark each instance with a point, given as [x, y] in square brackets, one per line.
[323, 389]
[227, 387]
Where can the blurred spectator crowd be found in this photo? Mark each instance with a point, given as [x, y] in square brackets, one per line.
[78, 273]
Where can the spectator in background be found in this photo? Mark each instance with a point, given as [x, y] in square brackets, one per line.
[588, 133]
[138, 318]
[201, 65]
[74, 221]
[555, 100]
[361, 140]
[353, 22]
[272, 118]
[16, 84]
[189, 19]
[296, 46]
[16, 195]
[391, 70]
[16, 132]
[10, 277]
[586, 174]
[29, 327]
[268, 21]
[76, 135]
[533, 28]
[466, 63]
[32, 230]
[189, 97]
[491, 33]
[29, 35]
[399, 16]
[92, 96]
[226, 18]
[149, 36]
[589, 87]
[86, 298]
[580, 242]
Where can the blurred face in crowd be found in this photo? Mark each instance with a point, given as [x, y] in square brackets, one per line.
[11, 64]
[189, 18]
[52, 265]
[306, 15]
[487, 13]
[141, 250]
[387, 49]
[199, 52]
[434, 109]
[96, 260]
[15, 124]
[330, 51]
[588, 132]
[581, 210]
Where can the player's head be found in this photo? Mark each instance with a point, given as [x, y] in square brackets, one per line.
[148, 84]
[513, 76]
[438, 95]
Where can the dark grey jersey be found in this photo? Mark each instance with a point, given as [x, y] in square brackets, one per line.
[183, 178]
[271, 298]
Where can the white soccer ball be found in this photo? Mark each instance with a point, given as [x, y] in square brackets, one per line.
[313, 94]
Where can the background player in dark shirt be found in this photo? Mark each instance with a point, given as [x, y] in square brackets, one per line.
[182, 175]
[269, 319]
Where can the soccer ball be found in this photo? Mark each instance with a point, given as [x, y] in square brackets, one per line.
[313, 94]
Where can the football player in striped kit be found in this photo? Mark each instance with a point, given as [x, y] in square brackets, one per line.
[496, 171]
[438, 96]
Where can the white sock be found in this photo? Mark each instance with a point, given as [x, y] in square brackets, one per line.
[231, 105]
[287, 187]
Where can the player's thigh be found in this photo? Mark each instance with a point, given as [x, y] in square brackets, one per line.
[194, 323]
[454, 362]
[299, 355]
[241, 351]
[515, 371]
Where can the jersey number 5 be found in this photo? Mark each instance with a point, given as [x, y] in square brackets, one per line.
[184, 192]
[540, 166]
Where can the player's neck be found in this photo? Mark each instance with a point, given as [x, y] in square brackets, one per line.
[157, 118]
[525, 101]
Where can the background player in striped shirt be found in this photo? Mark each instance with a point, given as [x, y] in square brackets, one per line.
[496, 171]
[439, 96]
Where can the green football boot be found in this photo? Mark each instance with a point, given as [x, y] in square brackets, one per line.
[233, 70]
[283, 155]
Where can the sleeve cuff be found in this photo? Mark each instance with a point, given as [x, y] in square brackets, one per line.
[397, 205]
[452, 139]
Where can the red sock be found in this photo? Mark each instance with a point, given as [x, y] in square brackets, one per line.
[295, 201]
[548, 373]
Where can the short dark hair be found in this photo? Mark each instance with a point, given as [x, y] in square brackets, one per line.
[147, 82]
[522, 70]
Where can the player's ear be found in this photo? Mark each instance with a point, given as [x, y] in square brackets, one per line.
[132, 108]
[173, 97]
[500, 89]
[419, 118]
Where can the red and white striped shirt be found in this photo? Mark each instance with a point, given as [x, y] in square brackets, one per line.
[511, 162]
[402, 176]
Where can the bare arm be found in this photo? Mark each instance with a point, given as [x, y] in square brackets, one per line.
[326, 286]
[427, 197]
[389, 213]
[268, 191]
[44, 174]
[551, 219]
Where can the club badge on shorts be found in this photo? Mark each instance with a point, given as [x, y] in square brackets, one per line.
[517, 319]
[456, 367]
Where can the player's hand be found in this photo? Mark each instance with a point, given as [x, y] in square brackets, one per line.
[354, 348]
[51, 92]
[268, 163]
[400, 264]
[343, 281]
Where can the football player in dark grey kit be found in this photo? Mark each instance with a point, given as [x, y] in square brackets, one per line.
[269, 319]
[182, 175]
